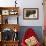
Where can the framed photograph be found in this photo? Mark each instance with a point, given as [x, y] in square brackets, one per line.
[30, 13]
[13, 20]
[13, 12]
[5, 12]
[0, 36]
[0, 19]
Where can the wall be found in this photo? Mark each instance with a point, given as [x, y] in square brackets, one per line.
[45, 22]
[26, 4]
[45, 13]
[32, 4]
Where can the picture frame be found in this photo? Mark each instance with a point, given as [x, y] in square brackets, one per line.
[31, 13]
[5, 12]
[13, 20]
[10, 20]
[0, 36]
[0, 19]
[13, 12]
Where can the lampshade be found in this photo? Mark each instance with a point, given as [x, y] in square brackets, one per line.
[15, 30]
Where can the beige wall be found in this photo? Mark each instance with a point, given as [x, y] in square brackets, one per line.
[45, 12]
[45, 21]
[32, 4]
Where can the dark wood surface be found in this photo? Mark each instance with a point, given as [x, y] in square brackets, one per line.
[9, 8]
[11, 26]
[9, 43]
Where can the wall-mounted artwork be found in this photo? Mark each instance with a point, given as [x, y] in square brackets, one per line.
[0, 36]
[30, 13]
[0, 19]
[5, 12]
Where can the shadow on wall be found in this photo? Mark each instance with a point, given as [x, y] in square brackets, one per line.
[37, 29]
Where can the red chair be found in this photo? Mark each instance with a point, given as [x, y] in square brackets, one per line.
[29, 33]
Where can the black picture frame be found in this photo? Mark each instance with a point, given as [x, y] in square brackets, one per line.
[31, 13]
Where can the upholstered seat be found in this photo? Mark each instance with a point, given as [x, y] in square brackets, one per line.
[28, 38]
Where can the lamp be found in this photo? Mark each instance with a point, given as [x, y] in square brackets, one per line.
[15, 37]
[15, 3]
[15, 30]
